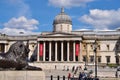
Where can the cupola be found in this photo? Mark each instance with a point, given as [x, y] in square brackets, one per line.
[62, 22]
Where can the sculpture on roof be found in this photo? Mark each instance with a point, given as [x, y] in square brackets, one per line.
[16, 58]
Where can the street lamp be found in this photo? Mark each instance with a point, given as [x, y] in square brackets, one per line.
[95, 51]
[86, 58]
[85, 62]
[117, 60]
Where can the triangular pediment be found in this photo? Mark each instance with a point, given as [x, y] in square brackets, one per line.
[60, 34]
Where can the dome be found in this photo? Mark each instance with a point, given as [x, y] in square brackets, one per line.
[62, 18]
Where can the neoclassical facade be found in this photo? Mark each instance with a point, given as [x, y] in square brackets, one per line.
[63, 45]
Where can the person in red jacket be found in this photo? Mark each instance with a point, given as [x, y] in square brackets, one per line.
[69, 76]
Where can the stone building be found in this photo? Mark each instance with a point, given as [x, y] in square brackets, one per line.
[64, 47]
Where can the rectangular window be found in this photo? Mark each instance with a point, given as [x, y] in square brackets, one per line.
[99, 47]
[117, 58]
[84, 46]
[84, 58]
[2, 48]
[99, 59]
[91, 46]
[91, 58]
[108, 59]
[108, 47]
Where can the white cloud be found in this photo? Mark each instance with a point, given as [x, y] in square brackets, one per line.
[69, 3]
[21, 24]
[102, 19]
[83, 29]
[13, 31]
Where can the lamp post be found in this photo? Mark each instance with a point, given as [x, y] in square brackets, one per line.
[86, 59]
[95, 51]
[85, 63]
[117, 60]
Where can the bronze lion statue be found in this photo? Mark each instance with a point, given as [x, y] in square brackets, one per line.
[16, 58]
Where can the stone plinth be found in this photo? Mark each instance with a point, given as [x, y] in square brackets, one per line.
[22, 75]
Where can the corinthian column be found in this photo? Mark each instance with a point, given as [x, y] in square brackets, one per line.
[62, 51]
[74, 51]
[38, 57]
[80, 52]
[6, 48]
[44, 51]
[68, 49]
[49, 51]
[56, 51]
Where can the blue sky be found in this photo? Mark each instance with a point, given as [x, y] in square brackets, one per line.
[35, 16]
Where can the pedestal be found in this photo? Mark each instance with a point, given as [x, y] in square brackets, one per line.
[22, 75]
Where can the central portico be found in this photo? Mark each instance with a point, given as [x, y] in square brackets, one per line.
[60, 45]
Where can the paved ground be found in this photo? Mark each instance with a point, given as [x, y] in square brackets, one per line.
[103, 73]
[109, 78]
[55, 74]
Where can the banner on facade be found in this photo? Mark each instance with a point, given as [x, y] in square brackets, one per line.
[77, 49]
[41, 49]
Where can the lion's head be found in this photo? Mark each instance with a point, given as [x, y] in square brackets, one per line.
[19, 50]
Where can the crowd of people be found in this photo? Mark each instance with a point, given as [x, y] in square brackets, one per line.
[81, 74]
[86, 76]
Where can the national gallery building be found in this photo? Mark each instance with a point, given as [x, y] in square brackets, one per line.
[64, 47]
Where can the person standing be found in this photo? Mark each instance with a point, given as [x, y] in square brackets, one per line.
[73, 68]
[69, 76]
[116, 74]
[80, 76]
